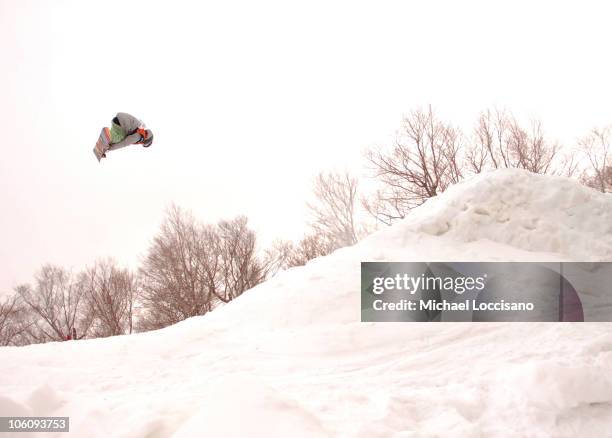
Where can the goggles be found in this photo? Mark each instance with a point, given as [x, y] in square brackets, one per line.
[142, 132]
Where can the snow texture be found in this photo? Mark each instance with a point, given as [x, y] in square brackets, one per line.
[290, 357]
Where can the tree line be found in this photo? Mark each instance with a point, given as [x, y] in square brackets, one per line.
[192, 267]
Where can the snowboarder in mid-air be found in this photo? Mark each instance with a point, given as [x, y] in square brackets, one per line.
[125, 130]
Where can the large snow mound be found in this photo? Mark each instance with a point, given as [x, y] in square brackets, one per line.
[290, 357]
[525, 210]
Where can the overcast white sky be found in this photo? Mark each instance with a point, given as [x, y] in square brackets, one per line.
[248, 100]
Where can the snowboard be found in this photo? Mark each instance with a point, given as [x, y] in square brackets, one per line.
[102, 145]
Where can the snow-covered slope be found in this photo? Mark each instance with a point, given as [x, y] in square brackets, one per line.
[290, 357]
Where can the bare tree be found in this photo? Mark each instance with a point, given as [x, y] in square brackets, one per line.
[276, 257]
[110, 293]
[7, 309]
[334, 214]
[570, 163]
[13, 322]
[335, 220]
[490, 148]
[240, 268]
[178, 273]
[424, 161]
[533, 151]
[597, 147]
[499, 141]
[58, 302]
[311, 246]
[190, 267]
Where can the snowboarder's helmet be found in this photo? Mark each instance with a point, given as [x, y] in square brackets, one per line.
[148, 138]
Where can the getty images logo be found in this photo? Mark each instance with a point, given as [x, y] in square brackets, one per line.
[412, 284]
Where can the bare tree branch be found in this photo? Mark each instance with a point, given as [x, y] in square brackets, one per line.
[597, 147]
[425, 160]
[58, 300]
